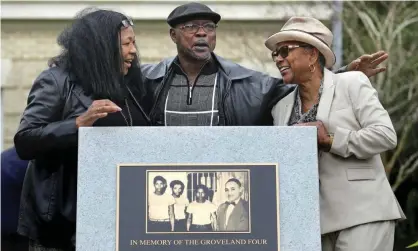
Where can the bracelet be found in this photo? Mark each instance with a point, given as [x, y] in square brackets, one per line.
[331, 137]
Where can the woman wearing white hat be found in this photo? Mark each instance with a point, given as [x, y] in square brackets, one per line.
[358, 209]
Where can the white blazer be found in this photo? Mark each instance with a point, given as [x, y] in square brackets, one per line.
[353, 185]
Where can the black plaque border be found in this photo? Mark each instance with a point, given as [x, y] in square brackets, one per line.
[165, 165]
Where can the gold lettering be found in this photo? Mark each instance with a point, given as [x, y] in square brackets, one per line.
[238, 242]
[152, 242]
[216, 242]
[192, 242]
[257, 241]
[198, 242]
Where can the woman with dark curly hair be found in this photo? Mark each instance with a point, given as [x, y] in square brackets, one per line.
[95, 81]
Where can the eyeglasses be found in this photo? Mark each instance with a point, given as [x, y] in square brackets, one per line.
[284, 51]
[127, 22]
[193, 28]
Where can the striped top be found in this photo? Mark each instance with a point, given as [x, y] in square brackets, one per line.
[197, 105]
[297, 115]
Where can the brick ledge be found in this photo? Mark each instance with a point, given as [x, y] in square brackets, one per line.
[159, 10]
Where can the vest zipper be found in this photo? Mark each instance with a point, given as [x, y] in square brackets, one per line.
[190, 88]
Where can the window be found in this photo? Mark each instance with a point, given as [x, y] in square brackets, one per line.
[209, 179]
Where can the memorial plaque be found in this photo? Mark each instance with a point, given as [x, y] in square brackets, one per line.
[277, 168]
[198, 207]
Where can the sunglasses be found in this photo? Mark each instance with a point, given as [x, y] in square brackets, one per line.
[284, 51]
[127, 22]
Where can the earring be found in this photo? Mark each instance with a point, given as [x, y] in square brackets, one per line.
[310, 68]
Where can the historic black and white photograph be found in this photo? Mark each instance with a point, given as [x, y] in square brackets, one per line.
[198, 201]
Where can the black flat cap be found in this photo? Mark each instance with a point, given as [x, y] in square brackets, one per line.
[190, 11]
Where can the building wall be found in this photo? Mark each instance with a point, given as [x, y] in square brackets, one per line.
[27, 45]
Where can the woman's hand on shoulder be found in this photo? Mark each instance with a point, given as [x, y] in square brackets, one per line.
[98, 109]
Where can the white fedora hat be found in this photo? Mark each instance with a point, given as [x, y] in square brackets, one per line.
[307, 30]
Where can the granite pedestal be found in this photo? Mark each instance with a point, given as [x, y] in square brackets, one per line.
[292, 148]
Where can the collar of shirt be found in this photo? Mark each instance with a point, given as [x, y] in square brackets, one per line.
[234, 203]
[310, 115]
[209, 68]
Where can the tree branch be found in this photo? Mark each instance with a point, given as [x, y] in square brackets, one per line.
[406, 170]
[400, 147]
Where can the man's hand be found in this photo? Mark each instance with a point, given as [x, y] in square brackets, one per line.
[324, 139]
[98, 109]
[368, 63]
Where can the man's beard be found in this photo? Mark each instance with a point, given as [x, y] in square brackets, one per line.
[188, 53]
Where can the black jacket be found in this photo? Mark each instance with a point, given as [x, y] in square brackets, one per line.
[48, 137]
[247, 96]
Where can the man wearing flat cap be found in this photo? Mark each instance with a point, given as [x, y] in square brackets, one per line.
[199, 88]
